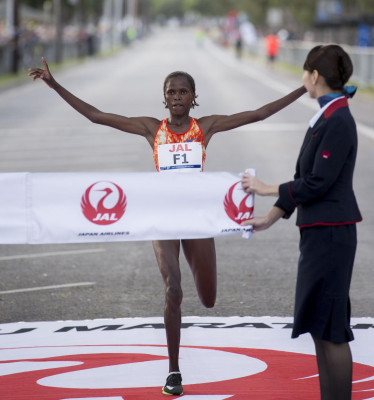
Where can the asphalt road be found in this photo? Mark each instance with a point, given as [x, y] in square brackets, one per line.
[40, 133]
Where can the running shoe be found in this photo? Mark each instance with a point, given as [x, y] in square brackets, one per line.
[173, 385]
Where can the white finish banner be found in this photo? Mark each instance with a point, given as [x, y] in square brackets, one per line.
[40, 208]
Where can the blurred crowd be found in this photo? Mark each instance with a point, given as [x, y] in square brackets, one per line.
[34, 39]
[38, 36]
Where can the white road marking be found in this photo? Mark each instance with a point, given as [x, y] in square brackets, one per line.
[51, 253]
[66, 285]
[365, 130]
[97, 398]
[206, 397]
[273, 127]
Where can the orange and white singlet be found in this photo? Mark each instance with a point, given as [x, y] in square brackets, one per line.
[183, 152]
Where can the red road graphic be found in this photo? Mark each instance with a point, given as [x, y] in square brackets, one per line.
[287, 376]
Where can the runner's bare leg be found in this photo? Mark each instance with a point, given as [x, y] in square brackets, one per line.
[167, 255]
[201, 257]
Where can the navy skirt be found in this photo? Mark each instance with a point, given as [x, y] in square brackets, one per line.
[322, 305]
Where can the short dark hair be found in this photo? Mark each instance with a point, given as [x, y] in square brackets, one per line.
[190, 80]
[332, 62]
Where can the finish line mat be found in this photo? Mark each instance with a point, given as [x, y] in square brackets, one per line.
[126, 359]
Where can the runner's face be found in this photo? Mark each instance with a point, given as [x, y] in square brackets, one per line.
[178, 96]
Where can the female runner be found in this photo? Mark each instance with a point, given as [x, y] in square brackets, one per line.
[179, 97]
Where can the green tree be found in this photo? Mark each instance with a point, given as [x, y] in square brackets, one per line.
[301, 11]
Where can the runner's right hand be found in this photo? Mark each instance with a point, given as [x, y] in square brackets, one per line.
[43, 74]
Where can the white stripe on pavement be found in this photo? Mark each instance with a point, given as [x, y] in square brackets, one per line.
[66, 285]
[51, 253]
[273, 127]
[365, 130]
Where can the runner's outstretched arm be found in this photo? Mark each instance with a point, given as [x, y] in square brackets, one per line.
[139, 125]
[221, 123]
[271, 108]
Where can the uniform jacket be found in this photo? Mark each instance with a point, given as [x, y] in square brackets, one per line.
[322, 189]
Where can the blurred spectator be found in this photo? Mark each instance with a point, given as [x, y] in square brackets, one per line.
[249, 35]
[238, 45]
[200, 36]
[272, 48]
[364, 35]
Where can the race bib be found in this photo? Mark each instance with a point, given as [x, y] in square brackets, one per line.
[184, 157]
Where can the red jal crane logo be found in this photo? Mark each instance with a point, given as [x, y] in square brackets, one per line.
[103, 203]
[238, 204]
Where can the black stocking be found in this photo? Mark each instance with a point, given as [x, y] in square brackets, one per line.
[335, 369]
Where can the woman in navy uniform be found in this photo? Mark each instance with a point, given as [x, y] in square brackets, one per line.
[327, 213]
